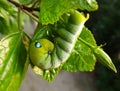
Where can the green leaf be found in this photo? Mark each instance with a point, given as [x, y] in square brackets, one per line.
[82, 57]
[13, 60]
[8, 18]
[101, 55]
[4, 5]
[50, 11]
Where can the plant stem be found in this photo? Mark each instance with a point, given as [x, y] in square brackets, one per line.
[19, 19]
[88, 44]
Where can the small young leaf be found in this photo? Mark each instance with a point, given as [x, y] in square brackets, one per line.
[13, 60]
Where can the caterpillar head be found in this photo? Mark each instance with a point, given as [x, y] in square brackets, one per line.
[40, 53]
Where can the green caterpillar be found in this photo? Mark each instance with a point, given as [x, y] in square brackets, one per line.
[48, 55]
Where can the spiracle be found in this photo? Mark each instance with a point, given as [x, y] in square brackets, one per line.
[48, 55]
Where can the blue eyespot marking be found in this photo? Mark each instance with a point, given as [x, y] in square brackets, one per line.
[38, 45]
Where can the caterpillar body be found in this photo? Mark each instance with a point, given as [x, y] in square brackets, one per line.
[48, 55]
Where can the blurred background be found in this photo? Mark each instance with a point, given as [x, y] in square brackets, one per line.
[105, 25]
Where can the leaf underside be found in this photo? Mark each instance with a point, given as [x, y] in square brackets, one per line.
[51, 11]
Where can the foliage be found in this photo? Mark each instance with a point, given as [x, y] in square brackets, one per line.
[55, 10]
[13, 60]
[8, 16]
[60, 41]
